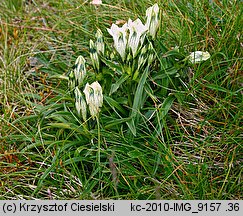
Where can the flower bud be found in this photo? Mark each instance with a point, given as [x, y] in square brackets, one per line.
[94, 55]
[71, 80]
[112, 55]
[129, 58]
[142, 57]
[79, 70]
[80, 104]
[151, 56]
[100, 46]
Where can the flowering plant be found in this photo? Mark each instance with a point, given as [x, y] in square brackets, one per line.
[132, 76]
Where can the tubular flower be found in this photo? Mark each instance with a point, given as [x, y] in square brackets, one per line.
[79, 70]
[94, 55]
[120, 38]
[136, 35]
[80, 104]
[94, 98]
[100, 46]
[198, 56]
[152, 23]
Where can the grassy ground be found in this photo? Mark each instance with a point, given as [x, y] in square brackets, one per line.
[45, 154]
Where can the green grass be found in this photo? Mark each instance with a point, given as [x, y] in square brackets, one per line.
[193, 152]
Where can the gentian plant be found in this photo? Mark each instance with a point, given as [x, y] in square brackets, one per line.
[132, 75]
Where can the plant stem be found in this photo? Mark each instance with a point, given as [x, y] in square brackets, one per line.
[99, 164]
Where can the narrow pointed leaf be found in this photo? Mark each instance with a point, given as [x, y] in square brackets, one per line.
[116, 85]
[138, 101]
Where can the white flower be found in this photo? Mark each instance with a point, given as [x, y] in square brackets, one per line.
[152, 23]
[96, 2]
[79, 70]
[80, 104]
[100, 46]
[120, 38]
[94, 55]
[136, 35]
[198, 56]
[94, 97]
[98, 94]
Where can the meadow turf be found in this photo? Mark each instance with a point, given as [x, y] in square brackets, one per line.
[194, 152]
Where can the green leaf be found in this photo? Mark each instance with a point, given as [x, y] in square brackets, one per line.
[165, 107]
[59, 76]
[131, 126]
[79, 150]
[165, 73]
[114, 104]
[116, 122]
[55, 161]
[162, 112]
[219, 88]
[138, 101]
[116, 85]
[175, 53]
[164, 83]
[112, 65]
[61, 125]
[135, 154]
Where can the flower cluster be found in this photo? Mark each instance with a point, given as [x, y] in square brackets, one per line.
[128, 42]
[133, 52]
[93, 93]
[132, 34]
